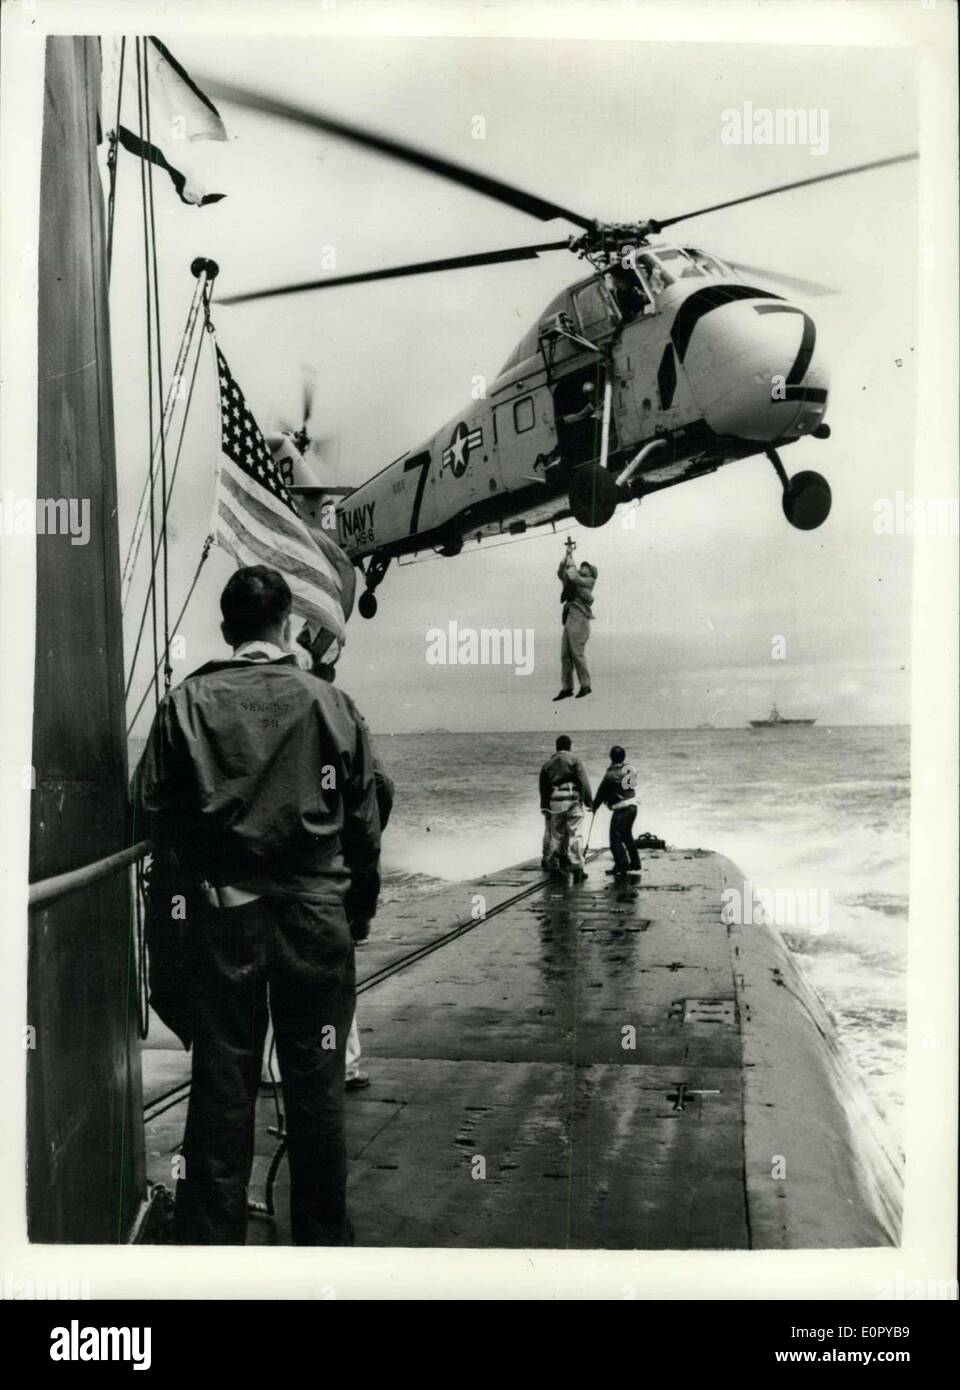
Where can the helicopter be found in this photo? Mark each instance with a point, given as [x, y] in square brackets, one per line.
[659, 366]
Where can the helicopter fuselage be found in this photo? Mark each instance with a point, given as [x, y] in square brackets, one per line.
[708, 367]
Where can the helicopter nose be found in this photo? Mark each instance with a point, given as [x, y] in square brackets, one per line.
[751, 367]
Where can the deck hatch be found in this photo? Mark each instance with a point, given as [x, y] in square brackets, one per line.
[721, 1012]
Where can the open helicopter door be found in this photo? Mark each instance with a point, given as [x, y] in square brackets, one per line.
[580, 394]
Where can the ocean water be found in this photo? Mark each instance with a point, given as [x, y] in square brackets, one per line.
[820, 811]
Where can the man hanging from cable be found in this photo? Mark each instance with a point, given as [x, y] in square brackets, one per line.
[577, 599]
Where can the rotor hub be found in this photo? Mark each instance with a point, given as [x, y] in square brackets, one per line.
[606, 243]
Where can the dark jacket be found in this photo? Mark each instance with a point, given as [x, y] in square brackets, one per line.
[562, 768]
[618, 787]
[262, 777]
[383, 784]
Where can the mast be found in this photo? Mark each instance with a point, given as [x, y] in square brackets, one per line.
[85, 1165]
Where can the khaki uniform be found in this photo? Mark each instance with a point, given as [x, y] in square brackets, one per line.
[564, 792]
[577, 615]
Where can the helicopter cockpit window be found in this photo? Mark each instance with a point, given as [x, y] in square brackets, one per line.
[631, 292]
[709, 265]
[596, 310]
[677, 263]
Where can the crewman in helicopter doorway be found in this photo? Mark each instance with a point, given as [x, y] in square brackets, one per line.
[577, 599]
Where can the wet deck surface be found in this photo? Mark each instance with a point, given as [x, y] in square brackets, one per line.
[550, 1078]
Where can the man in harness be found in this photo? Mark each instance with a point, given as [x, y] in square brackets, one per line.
[564, 793]
[576, 596]
[258, 781]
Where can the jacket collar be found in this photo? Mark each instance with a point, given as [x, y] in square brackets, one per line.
[235, 663]
[258, 651]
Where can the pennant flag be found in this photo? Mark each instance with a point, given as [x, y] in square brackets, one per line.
[257, 521]
[179, 113]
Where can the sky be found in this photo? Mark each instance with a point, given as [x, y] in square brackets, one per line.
[695, 589]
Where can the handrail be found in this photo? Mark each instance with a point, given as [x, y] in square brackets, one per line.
[48, 890]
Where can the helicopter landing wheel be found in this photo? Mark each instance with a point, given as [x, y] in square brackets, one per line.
[806, 501]
[377, 567]
[806, 496]
[594, 496]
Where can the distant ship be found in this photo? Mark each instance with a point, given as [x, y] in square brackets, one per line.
[775, 720]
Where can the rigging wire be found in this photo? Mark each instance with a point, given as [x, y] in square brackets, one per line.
[143, 977]
[159, 549]
[183, 430]
[163, 522]
[167, 668]
[112, 161]
[186, 341]
[206, 551]
[152, 596]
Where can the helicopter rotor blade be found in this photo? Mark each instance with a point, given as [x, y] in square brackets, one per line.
[394, 149]
[791, 282]
[307, 390]
[513, 253]
[788, 187]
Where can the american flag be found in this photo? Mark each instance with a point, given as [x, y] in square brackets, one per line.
[257, 520]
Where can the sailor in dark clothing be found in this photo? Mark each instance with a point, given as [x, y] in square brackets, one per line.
[261, 780]
[618, 793]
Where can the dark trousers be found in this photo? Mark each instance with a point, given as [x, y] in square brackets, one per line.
[622, 847]
[300, 950]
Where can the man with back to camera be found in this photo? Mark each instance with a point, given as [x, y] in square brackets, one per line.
[617, 792]
[260, 779]
[564, 792]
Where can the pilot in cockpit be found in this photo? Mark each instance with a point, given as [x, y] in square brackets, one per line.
[656, 277]
[633, 299]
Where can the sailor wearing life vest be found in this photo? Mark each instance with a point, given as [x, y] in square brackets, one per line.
[564, 793]
[618, 793]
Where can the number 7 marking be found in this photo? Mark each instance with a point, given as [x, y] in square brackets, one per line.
[421, 461]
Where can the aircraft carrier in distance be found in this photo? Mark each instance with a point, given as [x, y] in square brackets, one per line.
[775, 720]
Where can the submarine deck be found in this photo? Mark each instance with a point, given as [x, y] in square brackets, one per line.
[584, 1068]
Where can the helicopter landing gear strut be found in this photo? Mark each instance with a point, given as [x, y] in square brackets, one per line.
[806, 496]
[376, 569]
